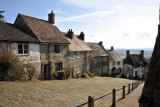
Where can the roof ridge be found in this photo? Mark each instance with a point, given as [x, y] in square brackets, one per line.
[32, 17]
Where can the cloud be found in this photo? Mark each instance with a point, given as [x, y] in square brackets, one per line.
[87, 17]
[122, 24]
[144, 35]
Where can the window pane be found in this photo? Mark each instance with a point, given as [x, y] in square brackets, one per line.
[26, 47]
[20, 51]
[20, 47]
[25, 51]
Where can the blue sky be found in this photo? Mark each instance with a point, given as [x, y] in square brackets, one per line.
[118, 23]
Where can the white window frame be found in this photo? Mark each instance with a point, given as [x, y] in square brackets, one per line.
[78, 55]
[23, 44]
[72, 55]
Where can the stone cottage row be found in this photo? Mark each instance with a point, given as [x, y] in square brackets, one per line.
[40, 42]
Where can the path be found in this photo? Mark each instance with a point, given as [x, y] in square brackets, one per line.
[131, 100]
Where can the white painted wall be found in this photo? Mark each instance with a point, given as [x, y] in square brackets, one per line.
[139, 72]
[116, 66]
[33, 57]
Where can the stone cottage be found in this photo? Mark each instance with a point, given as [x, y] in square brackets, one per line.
[151, 91]
[135, 65]
[80, 53]
[100, 59]
[115, 63]
[26, 47]
[53, 46]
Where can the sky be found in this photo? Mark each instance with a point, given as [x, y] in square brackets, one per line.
[119, 23]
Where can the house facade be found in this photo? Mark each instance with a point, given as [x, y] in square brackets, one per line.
[100, 59]
[115, 63]
[26, 47]
[80, 53]
[135, 66]
[53, 47]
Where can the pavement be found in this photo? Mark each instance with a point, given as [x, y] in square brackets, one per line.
[131, 100]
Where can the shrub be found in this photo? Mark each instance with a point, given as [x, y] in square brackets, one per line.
[61, 75]
[11, 65]
[68, 71]
[31, 70]
[89, 73]
[84, 75]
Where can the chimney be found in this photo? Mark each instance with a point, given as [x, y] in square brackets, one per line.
[81, 36]
[127, 53]
[70, 34]
[112, 48]
[142, 53]
[100, 43]
[51, 17]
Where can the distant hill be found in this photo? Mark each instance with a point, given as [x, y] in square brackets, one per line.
[147, 52]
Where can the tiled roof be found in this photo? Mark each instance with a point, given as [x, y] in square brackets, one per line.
[97, 50]
[44, 30]
[10, 32]
[77, 45]
[113, 55]
[135, 60]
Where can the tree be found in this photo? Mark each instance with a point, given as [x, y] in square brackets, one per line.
[1, 16]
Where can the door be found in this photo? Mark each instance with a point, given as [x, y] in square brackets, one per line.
[46, 72]
[136, 74]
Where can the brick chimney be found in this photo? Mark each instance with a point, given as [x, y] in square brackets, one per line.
[127, 53]
[100, 43]
[142, 53]
[81, 36]
[70, 34]
[51, 17]
[112, 48]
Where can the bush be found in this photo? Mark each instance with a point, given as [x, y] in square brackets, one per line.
[89, 73]
[12, 67]
[61, 75]
[85, 75]
[68, 71]
[31, 70]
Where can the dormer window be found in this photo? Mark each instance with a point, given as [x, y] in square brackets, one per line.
[78, 54]
[72, 56]
[56, 48]
[23, 49]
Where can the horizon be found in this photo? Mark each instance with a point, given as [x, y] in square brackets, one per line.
[122, 24]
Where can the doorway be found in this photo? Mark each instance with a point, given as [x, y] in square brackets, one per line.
[46, 72]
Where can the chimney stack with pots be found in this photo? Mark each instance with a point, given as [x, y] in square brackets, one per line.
[70, 34]
[127, 53]
[112, 48]
[81, 36]
[51, 17]
[142, 53]
[100, 43]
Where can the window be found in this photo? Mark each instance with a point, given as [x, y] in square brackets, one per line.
[56, 48]
[113, 63]
[23, 49]
[78, 54]
[58, 66]
[118, 62]
[72, 55]
[95, 60]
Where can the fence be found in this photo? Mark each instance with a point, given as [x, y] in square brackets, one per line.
[111, 98]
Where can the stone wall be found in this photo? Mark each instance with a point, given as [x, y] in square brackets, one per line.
[48, 56]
